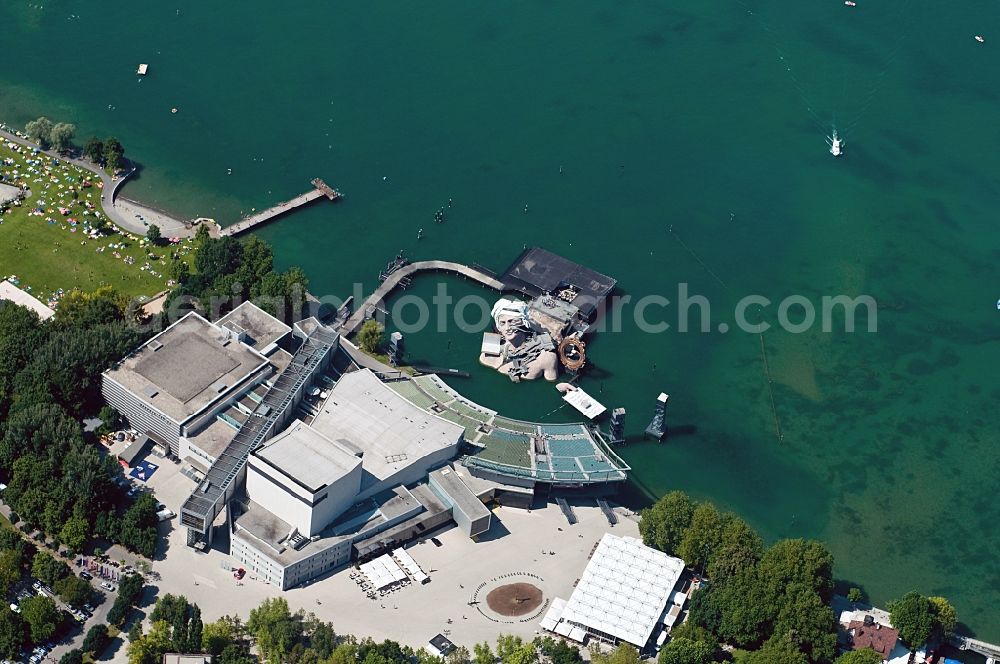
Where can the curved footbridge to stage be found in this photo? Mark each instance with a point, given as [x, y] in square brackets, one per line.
[402, 275]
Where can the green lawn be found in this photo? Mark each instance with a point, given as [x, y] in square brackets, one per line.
[46, 252]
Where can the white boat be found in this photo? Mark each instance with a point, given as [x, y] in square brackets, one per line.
[836, 144]
[850, 3]
[979, 38]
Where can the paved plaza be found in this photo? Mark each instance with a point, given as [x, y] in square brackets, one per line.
[537, 545]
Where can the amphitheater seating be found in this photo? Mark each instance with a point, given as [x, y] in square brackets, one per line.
[429, 385]
[471, 426]
[563, 429]
[510, 452]
[565, 467]
[515, 425]
[463, 409]
[409, 391]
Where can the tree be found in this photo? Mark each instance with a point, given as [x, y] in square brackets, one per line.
[42, 617]
[739, 547]
[798, 560]
[483, 654]
[75, 533]
[113, 155]
[558, 651]
[623, 654]
[150, 648]
[153, 234]
[96, 639]
[61, 135]
[322, 639]
[945, 617]
[459, 655]
[807, 623]
[94, 150]
[215, 636]
[40, 130]
[179, 271]
[686, 651]
[663, 525]
[774, 653]
[74, 656]
[370, 336]
[11, 632]
[10, 569]
[47, 569]
[862, 656]
[702, 537]
[855, 595]
[74, 591]
[912, 616]
[274, 628]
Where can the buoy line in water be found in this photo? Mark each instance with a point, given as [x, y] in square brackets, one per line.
[763, 348]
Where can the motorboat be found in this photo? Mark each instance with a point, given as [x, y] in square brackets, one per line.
[850, 3]
[836, 144]
[979, 38]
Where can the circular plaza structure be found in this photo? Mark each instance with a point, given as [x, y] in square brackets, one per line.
[511, 598]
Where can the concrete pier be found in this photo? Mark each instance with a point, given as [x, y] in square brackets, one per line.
[403, 274]
[319, 190]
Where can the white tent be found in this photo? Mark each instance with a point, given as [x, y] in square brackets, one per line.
[410, 565]
[623, 591]
[383, 572]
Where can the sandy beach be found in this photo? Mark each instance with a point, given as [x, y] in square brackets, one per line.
[135, 214]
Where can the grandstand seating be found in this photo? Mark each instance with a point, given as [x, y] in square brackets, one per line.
[515, 425]
[429, 385]
[563, 429]
[506, 451]
[409, 391]
[462, 408]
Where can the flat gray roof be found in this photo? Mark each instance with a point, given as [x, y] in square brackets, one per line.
[186, 367]
[307, 456]
[451, 481]
[214, 438]
[362, 413]
[262, 329]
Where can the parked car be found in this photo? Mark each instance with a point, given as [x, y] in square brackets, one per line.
[107, 586]
[15, 608]
[84, 574]
[165, 515]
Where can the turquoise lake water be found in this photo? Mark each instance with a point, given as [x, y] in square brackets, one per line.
[691, 138]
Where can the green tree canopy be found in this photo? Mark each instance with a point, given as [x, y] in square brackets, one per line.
[40, 130]
[275, 629]
[74, 656]
[11, 632]
[42, 617]
[153, 234]
[370, 336]
[96, 639]
[685, 651]
[74, 591]
[114, 153]
[622, 654]
[774, 653]
[663, 525]
[47, 569]
[912, 616]
[945, 617]
[93, 149]
[61, 135]
[862, 656]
